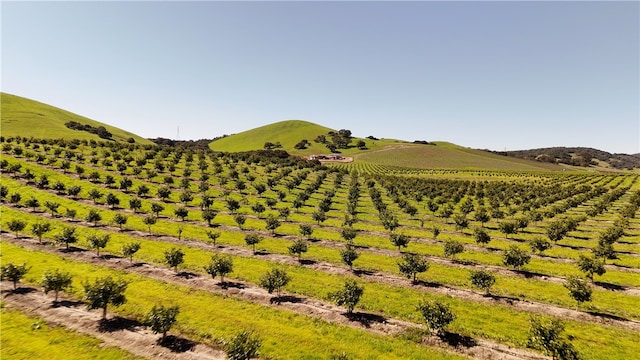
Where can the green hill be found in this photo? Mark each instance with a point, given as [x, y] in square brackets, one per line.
[30, 118]
[438, 155]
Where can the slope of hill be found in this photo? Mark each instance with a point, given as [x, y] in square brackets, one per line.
[391, 152]
[578, 156]
[30, 118]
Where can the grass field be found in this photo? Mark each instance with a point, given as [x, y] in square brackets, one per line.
[26, 117]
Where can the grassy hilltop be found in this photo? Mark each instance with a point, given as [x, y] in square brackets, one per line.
[30, 118]
[390, 152]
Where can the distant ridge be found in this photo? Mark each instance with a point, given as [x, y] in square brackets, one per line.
[29, 118]
[578, 156]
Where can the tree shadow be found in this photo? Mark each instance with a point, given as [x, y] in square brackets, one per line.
[109, 256]
[117, 323]
[426, 284]
[607, 316]
[457, 340]
[608, 286]
[365, 319]
[307, 262]
[187, 275]
[261, 252]
[509, 299]
[72, 249]
[360, 272]
[529, 274]
[176, 344]
[66, 303]
[285, 299]
[230, 285]
[19, 291]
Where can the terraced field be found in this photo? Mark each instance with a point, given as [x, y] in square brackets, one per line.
[208, 203]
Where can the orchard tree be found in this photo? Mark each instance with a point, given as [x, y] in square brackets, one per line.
[174, 258]
[98, 242]
[435, 231]
[39, 229]
[33, 203]
[547, 337]
[590, 266]
[348, 296]
[213, 236]
[399, 240]
[219, 265]
[129, 249]
[252, 239]
[160, 319]
[135, 204]
[557, 230]
[93, 216]
[68, 236]
[275, 280]
[52, 207]
[208, 215]
[515, 257]
[319, 216]
[104, 292]
[453, 248]
[149, 221]
[579, 290]
[181, 212]
[481, 236]
[483, 280]
[156, 209]
[284, 212]
[119, 220]
[16, 226]
[482, 215]
[348, 234]
[240, 220]
[540, 245]
[56, 281]
[243, 346]
[436, 314]
[604, 251]
[411, 265]
[112, 200]
[306, 230]
[13, 273]
[95, 195]
[298, 247]
[272, 224]
[349, 255]
[508, 228]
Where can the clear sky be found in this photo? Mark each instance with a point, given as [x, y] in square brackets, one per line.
[494, 75]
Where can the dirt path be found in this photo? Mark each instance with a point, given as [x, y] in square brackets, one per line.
[475, 348]
[116, 331]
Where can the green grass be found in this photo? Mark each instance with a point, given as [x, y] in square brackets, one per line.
[28, 337]
[29, 118]
[212, 317]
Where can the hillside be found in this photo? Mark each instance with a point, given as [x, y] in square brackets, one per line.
[578, 156]
[391, 152]
[30, 118]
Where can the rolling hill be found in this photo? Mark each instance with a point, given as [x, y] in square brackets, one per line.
[391, 152]
[578, 156]
[30, 118]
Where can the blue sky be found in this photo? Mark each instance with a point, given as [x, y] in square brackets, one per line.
[495, 75]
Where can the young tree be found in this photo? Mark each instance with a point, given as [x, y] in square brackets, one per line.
[56, 281]
[515, 257]
[73, 191]
[284, 212]
[233, 205]
[149, 220]
[604, 251]
[540, 245]
[275, 280]
[435, 231]
[161, 319]
[71, 213]
[119, 220]
[306, 230]
[52, 207]
[174, 257]
[348, 296]
[436, 314]
[93, 216]
[272, 224]
[156, 209]
[213, 236]
[481, 236]
[98, 242]
[348, 234]
[104, 291]
[219, 265]
[13, 273]
[557, 230]
[508, 228]
[95, 195]
[112, 200]
[411, 265]
[579, 290]
[298, 247]
[39, 229]
[68, 236]
[590, 266]
[453, 248]
[547, 337]
[16, 226]
[461, 221]
[240, 220]
[129, 249]
[399, 240]
[319, 216]
[349, 255]
[208, 215]
[33, 203]
[164, 193]
[483, 280]
[181, 212]
[482, 216]
[243, 346]
[252, 239]
[135, 204]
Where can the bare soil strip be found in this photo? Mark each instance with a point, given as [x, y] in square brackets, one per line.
[475, 348]
[119, 332]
